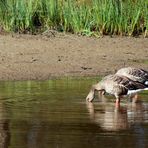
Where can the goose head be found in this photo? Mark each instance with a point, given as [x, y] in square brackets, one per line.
[91, 94]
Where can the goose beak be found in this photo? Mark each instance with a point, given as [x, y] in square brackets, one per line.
[90, 97]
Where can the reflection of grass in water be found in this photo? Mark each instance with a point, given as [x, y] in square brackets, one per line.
[86, 17]
[28, 90]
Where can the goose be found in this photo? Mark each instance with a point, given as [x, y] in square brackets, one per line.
[135, 74]
[116, 85]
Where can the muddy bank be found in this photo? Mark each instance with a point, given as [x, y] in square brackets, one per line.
[28, 57]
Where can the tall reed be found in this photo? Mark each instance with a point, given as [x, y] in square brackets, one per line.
[87, 17]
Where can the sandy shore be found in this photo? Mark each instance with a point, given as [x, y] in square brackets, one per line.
[28, 57]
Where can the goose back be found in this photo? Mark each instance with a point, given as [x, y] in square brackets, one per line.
[120, 85]
[135, 74]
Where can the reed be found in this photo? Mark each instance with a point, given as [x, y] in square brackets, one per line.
[86, 17]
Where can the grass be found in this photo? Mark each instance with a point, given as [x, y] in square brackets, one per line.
[85, 17]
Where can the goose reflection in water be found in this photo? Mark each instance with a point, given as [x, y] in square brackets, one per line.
[110, 118]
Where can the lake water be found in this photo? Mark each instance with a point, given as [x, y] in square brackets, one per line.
[54, 114]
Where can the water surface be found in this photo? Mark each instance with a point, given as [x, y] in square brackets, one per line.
[54, 114]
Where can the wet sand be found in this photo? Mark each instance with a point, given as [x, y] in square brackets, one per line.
[41, 57]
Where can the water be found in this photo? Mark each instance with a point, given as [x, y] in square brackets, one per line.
[54, 114]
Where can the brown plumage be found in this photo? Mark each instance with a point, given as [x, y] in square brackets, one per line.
[135, 74]
[116, 85]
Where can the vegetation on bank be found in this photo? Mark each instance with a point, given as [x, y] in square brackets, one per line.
[86, 17]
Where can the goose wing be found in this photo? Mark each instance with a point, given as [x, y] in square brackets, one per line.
[128, 83]
[139, 73]
[135, 74]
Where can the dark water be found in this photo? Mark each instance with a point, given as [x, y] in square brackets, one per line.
[54, 114]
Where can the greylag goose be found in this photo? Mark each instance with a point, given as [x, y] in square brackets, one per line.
[116, 85]
[135, 74]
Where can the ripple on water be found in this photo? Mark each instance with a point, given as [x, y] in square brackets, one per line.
[54, 114]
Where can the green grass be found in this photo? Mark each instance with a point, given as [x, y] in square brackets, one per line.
[86, 17]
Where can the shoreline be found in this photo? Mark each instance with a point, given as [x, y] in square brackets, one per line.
[42, 57]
